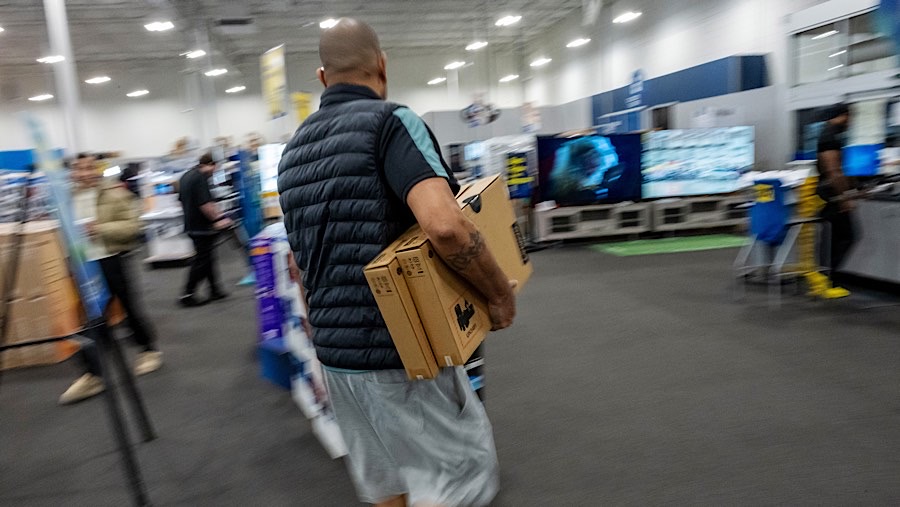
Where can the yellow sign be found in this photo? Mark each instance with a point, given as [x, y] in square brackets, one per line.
[302, 102]
[764, 193]
[274, 82]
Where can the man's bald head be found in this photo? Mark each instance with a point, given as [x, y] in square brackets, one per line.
[350, 51]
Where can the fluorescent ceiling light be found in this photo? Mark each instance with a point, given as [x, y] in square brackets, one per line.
[475, 46]
[626, 17]
[98, 80]
[508, 20]
[437, 80]
[51, 59]
[328, 23]
[112, 171]
[40, 98]
[215, 72]
[836, 67]
[159, 26]
[236, 89]
[511, 77]
[197, 53]
[541, 62]
[826, 34]
[578, 42]
[1, 29]
[454, 65]
[839, 53]
[137, 93]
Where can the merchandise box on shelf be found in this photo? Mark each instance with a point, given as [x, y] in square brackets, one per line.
[287, 356]
[452, 312]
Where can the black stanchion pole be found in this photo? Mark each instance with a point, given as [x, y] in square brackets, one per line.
[101, 334]
[132, 393]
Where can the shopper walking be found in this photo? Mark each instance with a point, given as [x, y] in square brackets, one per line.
[355, 175]
[109, 214]
[202, 223]
[834, 187]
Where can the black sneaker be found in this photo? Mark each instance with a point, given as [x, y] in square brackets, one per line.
[215, 296]
[188, 301]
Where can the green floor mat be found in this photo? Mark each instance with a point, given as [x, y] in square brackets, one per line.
[671, 245]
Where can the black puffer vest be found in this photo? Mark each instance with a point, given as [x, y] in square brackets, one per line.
[339, 214]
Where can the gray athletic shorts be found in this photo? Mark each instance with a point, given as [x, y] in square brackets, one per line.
[429, 439]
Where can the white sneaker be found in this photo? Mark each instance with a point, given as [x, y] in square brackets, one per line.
[86, 386]
[147, 362]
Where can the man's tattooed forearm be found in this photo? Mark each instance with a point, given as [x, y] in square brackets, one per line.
[461, 260]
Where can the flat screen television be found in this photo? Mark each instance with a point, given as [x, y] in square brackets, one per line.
[591, 169]
[689, 162]
[269, 157]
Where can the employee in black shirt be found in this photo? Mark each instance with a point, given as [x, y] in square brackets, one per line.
[202, 223]
[834, 185]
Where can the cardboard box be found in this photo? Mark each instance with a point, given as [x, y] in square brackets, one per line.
[454, 314]
[486, 202]
[395, 301]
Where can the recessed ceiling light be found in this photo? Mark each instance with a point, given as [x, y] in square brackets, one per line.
[215, 72]
[511, 77]
[236, 89]
[839, 53]
[137, 93]
[40, 98]
[328, 23]
[627, 16]
[197, 53]
[437, 80]
[454, 65]
[98, 80]
[826, 34]
[475, 46]
[159, 26]
[541, 62]
[508, 20]
[836, 67]
[51, 59]
[578, 42]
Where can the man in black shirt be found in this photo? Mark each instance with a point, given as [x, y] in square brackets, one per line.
[834, 185]
[202, 223]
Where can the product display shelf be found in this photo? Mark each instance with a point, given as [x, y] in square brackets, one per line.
[574, 222]
[700, 213]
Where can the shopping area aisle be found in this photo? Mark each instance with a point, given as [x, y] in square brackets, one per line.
[626, 381]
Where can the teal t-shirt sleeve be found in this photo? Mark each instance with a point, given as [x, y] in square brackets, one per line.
[411, 154]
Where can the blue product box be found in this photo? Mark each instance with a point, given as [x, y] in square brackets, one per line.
[268, 305]
[276, 363]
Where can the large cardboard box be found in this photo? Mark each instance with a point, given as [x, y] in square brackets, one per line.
[454, 314]
[388, 285]
[46, 302]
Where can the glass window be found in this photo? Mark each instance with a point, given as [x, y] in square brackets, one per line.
[869, 49]
[820, 54]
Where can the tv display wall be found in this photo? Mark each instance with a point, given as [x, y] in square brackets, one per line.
[680, 163]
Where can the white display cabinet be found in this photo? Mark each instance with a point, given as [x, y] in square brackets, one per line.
[575, 222]
[699, 213]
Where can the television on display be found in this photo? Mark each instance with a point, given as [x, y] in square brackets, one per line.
[590, 169]
[690, 162]
[269, 157]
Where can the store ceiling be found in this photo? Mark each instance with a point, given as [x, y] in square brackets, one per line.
[110, 33]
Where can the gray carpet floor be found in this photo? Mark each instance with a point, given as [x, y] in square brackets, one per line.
[625, 381]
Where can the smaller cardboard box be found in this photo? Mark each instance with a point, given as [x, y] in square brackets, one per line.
[392, 294]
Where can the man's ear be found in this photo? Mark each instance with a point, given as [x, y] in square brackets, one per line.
[382, 66]
[320, 72]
